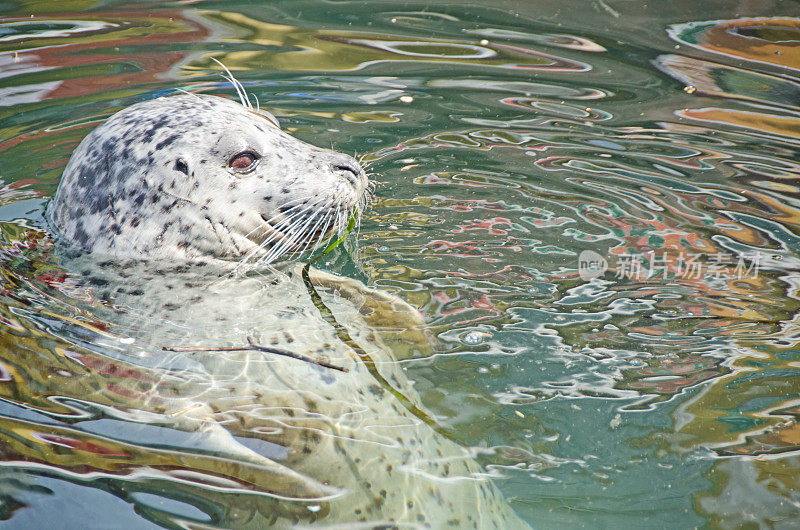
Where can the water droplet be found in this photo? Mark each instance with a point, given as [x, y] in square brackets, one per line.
[483, 370]
[393, 227]
[314, 508]
[406, 99]
[383, 248]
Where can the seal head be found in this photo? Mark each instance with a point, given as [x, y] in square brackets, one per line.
[198, 177]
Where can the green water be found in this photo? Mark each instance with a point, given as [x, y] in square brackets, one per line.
[507, 138]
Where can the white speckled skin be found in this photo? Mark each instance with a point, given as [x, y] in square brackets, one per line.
[153, 181]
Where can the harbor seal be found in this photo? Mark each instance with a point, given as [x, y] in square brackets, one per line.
[289, 388]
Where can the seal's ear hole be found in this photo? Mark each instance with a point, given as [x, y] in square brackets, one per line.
[243, 162]
[182, 166]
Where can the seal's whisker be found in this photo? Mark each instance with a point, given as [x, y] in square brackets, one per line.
[284, 213]
[328, 218]
[310, 236]
[358, 213]
[330, 225]
[272, 238]
[263, 227]
[294, 232]
[299, 230]
[279, 250]
[285, 225]
[338, 223]
[190, 94]
[271, 219]
[240, 91]
[276, 224]
[254, 230]
[304, 231]
[344, 218]
[365, 164]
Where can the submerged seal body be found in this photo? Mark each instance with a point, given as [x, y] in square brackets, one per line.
[175, 190]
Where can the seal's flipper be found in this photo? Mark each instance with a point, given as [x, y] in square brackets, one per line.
[398, 325]
[262, 470]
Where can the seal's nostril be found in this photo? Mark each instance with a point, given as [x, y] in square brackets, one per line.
[347, 168]
[351, 170]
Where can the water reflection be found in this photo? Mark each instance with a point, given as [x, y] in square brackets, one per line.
[675, 188]
[296, 49]
[523, 145]
[769, 41]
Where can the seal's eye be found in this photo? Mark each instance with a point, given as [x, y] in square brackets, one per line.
[243, 162]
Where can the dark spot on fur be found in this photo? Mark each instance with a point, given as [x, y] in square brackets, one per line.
[81, 237]
[169, 140]
[100, 282]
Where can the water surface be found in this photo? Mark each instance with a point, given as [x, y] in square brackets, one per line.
[507, 138]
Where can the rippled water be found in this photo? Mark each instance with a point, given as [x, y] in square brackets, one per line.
[653, 380]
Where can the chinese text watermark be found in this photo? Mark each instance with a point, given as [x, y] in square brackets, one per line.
[670, 265]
